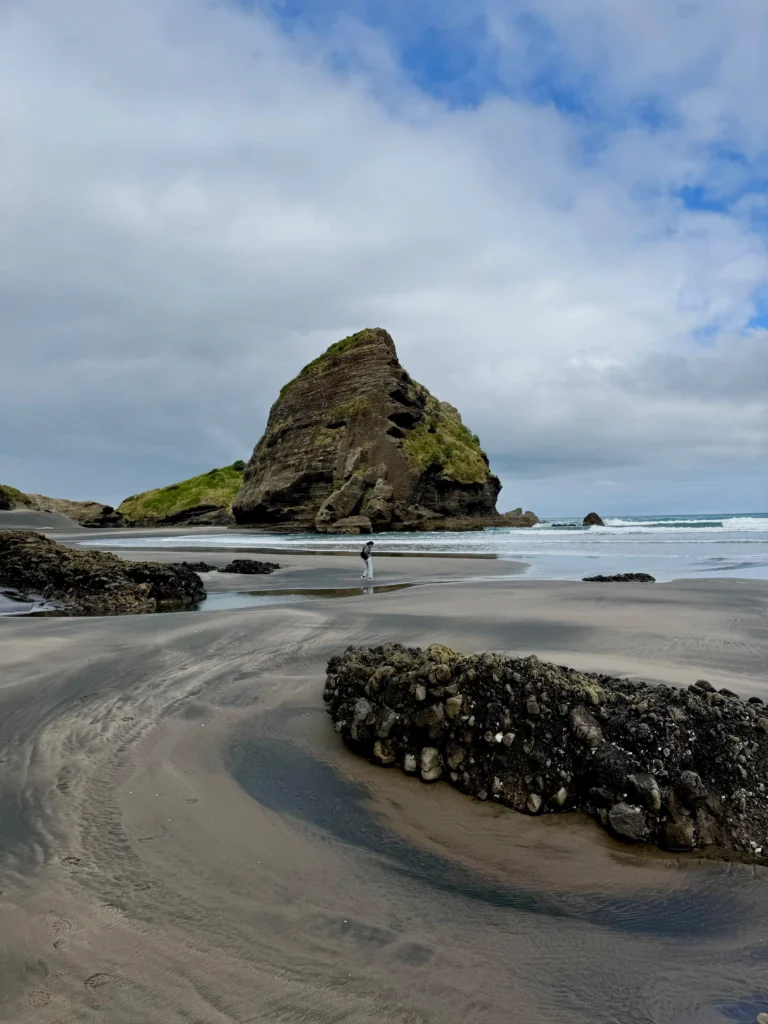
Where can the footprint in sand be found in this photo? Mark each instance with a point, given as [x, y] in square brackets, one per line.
[193, 800]
[97, 981]
[71, 861]
[60, 925]
[58, 943]
[39, 998]
[112, 908]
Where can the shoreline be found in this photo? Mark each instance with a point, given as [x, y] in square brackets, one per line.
[138, 868]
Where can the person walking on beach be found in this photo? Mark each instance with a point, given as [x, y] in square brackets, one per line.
[367, 557]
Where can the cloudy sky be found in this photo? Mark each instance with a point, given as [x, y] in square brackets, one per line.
[558, 208]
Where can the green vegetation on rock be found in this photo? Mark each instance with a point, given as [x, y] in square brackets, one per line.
[11, 496]
[325, 360]
[347, 410]
[442, 439]
[216, 487]
[324, 436]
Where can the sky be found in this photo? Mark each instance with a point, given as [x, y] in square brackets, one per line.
[557, 208]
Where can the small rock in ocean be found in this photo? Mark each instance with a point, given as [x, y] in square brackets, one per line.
[592, 519]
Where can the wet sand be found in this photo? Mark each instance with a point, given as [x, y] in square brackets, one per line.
[183, 838]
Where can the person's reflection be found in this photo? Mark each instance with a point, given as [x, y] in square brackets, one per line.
[368, 590]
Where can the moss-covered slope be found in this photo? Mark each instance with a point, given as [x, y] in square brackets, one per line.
[201, 500]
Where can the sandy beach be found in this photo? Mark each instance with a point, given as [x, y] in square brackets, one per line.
[183, 837]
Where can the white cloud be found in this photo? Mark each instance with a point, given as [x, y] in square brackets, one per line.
[192, 204]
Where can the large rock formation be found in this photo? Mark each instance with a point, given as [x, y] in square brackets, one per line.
[92, 582]
[680, 768]
[202, 500]
[354, 445]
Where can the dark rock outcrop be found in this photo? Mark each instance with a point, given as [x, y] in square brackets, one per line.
[354, 445]
[250, 567]
[517, 518]
[92, 582]
[195, 566]
[680, 768]
[592, 519]
[622, 577]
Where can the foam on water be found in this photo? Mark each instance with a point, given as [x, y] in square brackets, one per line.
[668, 547]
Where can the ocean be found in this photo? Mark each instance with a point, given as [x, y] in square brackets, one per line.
[668, 547]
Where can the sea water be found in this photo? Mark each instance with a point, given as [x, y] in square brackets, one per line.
[668, 547]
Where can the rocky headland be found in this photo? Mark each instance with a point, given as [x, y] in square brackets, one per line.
[83, 582]
[92, 514]
[354, 445]
[203, 500]
[684, 769]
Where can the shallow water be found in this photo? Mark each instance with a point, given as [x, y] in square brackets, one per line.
[223, 600]
[14, 604]
[601, 948]
[290, 781]
[667, 547]
[228, 600]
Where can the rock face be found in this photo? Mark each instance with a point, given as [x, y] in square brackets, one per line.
[592, 519]
[85, 513]
[354, 445]
[680, 768]
[622, 577]
[92, 582]
[202, 500]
